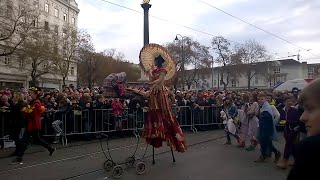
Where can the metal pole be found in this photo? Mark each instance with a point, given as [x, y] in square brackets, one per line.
[212, 75]
[146, 7]
[218, 79]
[182, 64]
[90, 73]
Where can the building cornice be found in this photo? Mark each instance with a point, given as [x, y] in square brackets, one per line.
[69, 5]
[10, 74]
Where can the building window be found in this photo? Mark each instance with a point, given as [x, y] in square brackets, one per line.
[56, 29]
[6, 60]
[72, 71]
[56, 12]
[65, 17]
[46, 25]
[256, 80]
[21, 63]
[279, 79]
[36, 3]
[215, 82]
[73, 21]
[277, 70]
[46, 7]
[311, 72]
[233, 83]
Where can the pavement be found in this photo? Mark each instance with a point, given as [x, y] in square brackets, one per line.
[207, 158]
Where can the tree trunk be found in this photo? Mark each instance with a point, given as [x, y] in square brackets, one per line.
[221, 80]
[63, 80]
[225, 85]
[175, 84]
[89, 75]
[249, 81]
[33, 81]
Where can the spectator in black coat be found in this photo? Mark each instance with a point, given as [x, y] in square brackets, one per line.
[17, 119]
[308, 155]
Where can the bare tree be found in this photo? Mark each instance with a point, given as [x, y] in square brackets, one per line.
[250, 55]
[192, 54]
[34, 52]
[17, 19]
[221, 47]
[181, 52]
[86, 57]
[114, 54]
[104, 63]
[200, 58]
[67, 49]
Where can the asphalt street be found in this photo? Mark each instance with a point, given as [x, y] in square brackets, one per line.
[207, 158]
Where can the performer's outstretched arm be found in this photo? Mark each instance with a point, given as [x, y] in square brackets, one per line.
[140, 92]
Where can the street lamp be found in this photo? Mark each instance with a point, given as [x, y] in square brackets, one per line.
[183, 38]
[212, 73]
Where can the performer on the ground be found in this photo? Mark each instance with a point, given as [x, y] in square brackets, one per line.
[160, 125]
[32, 114]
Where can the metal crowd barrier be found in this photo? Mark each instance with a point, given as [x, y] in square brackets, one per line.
[184, 117]
[61, 124]
[206, 116]
[4, 132]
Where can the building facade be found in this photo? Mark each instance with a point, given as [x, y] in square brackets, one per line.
[275, 72]
[53, 14]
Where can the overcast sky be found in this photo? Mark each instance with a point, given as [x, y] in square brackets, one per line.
[294, 20]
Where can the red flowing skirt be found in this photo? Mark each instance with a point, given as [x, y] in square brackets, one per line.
[161, 125]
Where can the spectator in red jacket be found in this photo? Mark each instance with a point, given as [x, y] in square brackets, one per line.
[117, 108]
[32, 114]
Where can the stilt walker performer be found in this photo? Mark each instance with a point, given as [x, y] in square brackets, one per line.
[161, 124]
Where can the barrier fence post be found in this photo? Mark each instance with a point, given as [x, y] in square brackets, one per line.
[64, 133]
[194, 129]
[2, 130]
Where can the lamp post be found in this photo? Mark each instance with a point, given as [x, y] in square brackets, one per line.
[218, 78]
[183, 38]
[212, 73]
[146, 6]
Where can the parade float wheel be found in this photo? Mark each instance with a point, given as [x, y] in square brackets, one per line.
[130, 162]
[108, 165]
[117, 172]
[141, 168]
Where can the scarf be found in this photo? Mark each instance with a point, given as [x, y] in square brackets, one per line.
[266, 107]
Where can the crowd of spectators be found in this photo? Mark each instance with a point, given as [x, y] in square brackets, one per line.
[78, 105]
